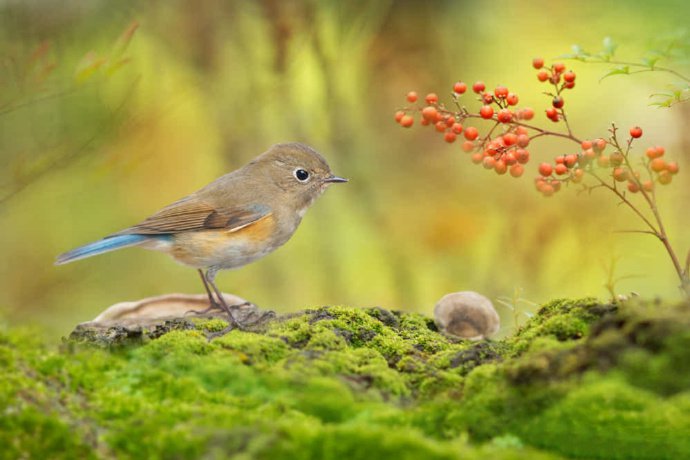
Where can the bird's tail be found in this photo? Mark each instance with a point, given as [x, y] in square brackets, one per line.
[107, 244]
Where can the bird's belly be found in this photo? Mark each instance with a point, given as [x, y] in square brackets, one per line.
[227, 249]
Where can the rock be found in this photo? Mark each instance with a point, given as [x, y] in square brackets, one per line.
[134, 321]
[466, 314]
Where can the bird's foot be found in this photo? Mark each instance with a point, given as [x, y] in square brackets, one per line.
[213, 306]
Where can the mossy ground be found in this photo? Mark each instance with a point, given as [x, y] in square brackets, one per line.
[581, 380]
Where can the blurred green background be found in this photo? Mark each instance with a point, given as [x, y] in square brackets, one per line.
[99, 130]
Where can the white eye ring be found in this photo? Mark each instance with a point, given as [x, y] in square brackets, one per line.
[301, 175]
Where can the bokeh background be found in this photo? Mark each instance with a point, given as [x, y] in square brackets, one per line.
[102, 124]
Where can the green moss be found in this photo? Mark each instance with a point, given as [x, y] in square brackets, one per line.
[580, 380]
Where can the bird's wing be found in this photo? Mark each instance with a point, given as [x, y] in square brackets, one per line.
[191, 214]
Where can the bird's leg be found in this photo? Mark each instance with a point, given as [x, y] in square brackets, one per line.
[213, 305]
[234, 323]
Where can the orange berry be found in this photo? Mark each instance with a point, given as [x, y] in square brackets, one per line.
[468, 146]
[460, 87]
[504, 116]
[406, 121]
[500, 167]
[537, 63]
[523, 140]
[672, 167]
[398, 115]
[599, 145]
[577, 175]
[412, 97]
[657, 164]
[648, 185]
[430, 113]
[501, 92]
[431, 98]
[478, 87]
[510, 139]
[603, 161]
[527, 113]
[545, 169]
[471, 133]
[486, 112]
[477, 157]
[665, 178]
[424, 122]
[512, 99]
[450, 137]
[620, 175]
[633, 187]
[570, 160]
[542, 75]
[559, 67]
[489, 162]
[561, 169]
[517, 170]
[509, 158]
[586, 145]
[589, 154]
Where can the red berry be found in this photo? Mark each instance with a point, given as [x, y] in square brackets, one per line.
[424, 122]
[569, 84]
[599, 145]
[398, 115]
[486, 112]
[561, 169]
[412, 97]
[460, 87]
[487, 98]
[510, 139]
[586, 145]
[537, 63]
[477, 157]
[547, 189]
[633, 187]
[429, 113]
[500, 167]
[552, 114]
[517, 170]
[636, 132]
[478, 87]
[522, 156]
[569, 76]
[509, 158]
[504, 116]
[501, 92]
[512, 99]
[559, 67]
[545, 169]
[558, 102]
[457, 128]
[589, 154]
[570, 160]
[672, 167]
[440, 126]
[468, 146]
[431, 98]
[450, 137]
[648, 185]
[406, 121]
[542, 75]
[471, 133]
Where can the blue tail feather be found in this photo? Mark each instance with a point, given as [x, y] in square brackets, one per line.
[110, 243]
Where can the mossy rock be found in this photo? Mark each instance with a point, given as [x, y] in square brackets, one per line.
[581, 379]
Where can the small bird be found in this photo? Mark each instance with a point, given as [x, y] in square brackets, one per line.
[233, 221]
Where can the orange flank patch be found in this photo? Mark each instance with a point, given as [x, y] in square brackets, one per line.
[257, 231]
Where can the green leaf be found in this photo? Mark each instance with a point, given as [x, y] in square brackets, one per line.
[621, 70]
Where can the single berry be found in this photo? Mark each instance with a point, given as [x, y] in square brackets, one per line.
[537, 63]
[501, 92]
[450, 137]
[570, 160]
[517, 170]
[478, 87]
[558, 102]
[657, 164]
[523, 140]
[545, 169]
[471, 133]
[457, 128]
[636, 132]
[620, 175]
[603, 161]
[665, 178]
[560, 169]
[633, 187]
[569, 84]
[489, 162]
[552, 114]
[398, 115]
[672, 167]
[586, 145]
[487, 98]
[542, 75]
[527, 113]
[509, 158]
[512, 99]
[412, 97]
[460, 87]
[522, 156]
[569, 76]
[577, 175]
[429, 113]
[599, 145]
[504, 116]
[406, 121]
[510, 139]
[477, 157]
[486, 112]
[500, 167]
[431, 98]
[648, 185]
[468, 146]
[440, 126]
[559, 67]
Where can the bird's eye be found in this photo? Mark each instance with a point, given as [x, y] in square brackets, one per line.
[301, 175]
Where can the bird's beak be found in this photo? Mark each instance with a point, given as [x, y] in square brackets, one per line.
[334, 179]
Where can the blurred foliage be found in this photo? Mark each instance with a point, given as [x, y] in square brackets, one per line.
[206, 86]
